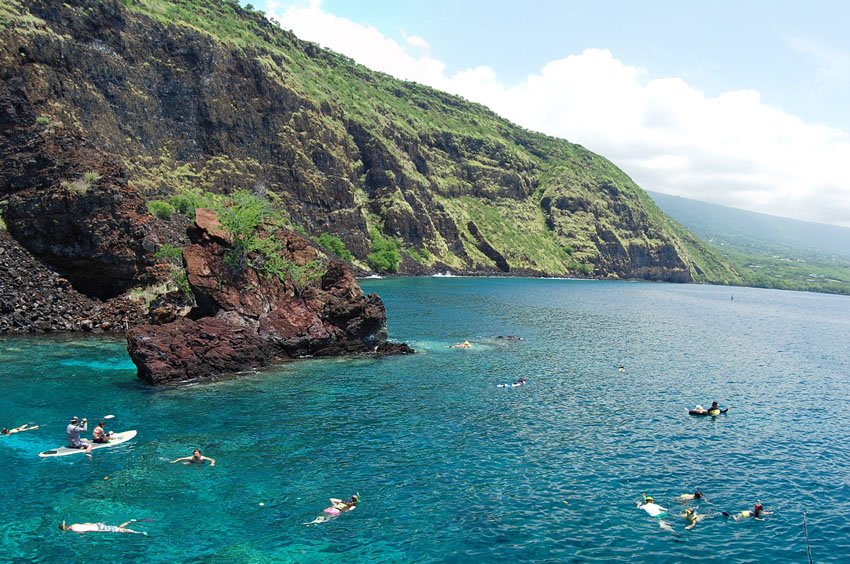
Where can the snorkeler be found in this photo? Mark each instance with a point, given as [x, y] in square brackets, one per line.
[337, 508]
[24, 427]
[101, 528]
[463, 345]
[196, 458]
[692, 517]
[758, 513]
[654, 510]
[696, 496]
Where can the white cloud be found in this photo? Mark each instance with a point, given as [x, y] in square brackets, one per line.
[733, 149]
[416, 41]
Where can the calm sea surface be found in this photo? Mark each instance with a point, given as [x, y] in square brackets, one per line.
[449, 466]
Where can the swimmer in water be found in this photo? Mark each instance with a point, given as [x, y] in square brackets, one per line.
[758, 513]
[696, 496]
[337, 508]
[463, 345]
[24, 427]
[692, 517]
[196, 458]
[715, 409]
[101, 528]
[654, 510]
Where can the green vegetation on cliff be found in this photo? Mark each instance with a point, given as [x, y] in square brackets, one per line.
[406, 178]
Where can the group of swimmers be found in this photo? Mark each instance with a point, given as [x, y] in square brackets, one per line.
[690, 514]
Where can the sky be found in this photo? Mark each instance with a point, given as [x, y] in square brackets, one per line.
[743, 104]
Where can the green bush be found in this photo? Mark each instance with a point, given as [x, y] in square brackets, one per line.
[385, 255]
[422, 256]
[335, 245]
[186, 202]
[585, 268]
[91, 177]
[170, 253]
[42, 120]
[174, 256]
[161, 209]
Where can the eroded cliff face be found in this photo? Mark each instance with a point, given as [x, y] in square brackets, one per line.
[244, 319]
[170, 105]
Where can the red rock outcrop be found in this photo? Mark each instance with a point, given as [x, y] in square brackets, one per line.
[247, 319]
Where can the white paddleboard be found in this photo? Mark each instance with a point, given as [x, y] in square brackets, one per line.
[117, 439]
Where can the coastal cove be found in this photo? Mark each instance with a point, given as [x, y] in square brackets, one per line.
[448, 465]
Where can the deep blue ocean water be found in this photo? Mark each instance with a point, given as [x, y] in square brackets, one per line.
[450, 467]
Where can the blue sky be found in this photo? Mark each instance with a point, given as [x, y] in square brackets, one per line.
[716, 46]
[737, 103]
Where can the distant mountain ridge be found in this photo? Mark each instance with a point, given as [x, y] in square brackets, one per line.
[734, 225]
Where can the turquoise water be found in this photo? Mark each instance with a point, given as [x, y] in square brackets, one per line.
[450, 467]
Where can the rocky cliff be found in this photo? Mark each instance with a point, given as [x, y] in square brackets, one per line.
[244, 319]
[107, 106]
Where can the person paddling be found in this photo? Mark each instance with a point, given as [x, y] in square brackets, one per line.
[73, 431]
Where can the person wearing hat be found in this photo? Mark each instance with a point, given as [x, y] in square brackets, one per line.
[654, 510]
[73, 430]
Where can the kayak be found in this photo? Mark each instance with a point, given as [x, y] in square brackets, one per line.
[117, 439]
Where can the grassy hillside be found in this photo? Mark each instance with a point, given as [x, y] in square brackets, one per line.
[207, 95]
[769, 251]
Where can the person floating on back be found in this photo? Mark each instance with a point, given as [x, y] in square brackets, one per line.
[73, 431]
[24, 427]
[101, 528]
[463, 345]
[196, 458]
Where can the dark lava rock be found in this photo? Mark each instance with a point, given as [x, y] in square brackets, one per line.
[35, 299]
[245, 320]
